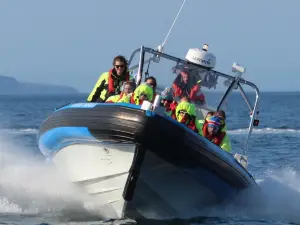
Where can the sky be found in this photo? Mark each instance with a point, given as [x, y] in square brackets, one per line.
[72, 42]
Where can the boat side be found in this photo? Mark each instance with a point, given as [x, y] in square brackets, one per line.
[128, 123]
[124, 140]
[80, 123]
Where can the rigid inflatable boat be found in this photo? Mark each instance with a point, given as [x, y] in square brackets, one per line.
[141, 163]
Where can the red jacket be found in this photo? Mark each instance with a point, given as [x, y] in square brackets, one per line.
[196, 95]
[171, 110]
[180, 90]
[193, 93]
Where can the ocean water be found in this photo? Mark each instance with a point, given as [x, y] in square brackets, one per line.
[33, 192]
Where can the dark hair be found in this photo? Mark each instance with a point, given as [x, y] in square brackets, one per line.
[154, 80]
[120, 58]
[221, 113]
[210, 113]
[132, 84]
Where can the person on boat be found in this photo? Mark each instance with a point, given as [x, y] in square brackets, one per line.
[141, 93]
[186, 114]
[168, 102]
[109, 83]
[211, 129]
[126, 89]
[182, 84]
[201, 122]
[185, 86]
[220, 114]
[151, 81]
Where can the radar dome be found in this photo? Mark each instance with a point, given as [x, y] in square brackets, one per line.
[201, 57]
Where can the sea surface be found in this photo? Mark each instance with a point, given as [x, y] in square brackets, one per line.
[33, 192]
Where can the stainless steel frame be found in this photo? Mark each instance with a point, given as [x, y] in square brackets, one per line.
[236, 81]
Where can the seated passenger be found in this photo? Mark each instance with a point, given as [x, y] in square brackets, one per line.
[109, 83]
[141, 93]
[168, 103]
[127, 89]
[186, 114]
[211, 129]
[151, 81]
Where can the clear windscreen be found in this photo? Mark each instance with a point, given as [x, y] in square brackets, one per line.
[204, 88]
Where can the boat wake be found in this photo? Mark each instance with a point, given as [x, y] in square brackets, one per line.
[242, 131]
[29, 186]
[265, 131]
[276, 199]
[19, 131]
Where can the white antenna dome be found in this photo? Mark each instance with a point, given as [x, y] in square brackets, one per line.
[201, 57]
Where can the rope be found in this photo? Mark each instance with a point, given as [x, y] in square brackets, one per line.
[173, 23]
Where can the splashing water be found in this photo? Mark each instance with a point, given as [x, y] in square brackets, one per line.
[31, 186]
[263, 131]
[277, 198]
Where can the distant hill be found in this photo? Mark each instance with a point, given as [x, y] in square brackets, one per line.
[10, 86]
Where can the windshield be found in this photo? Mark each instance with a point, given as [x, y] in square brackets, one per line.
[202, 87]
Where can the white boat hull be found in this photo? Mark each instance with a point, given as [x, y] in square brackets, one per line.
[101, 170]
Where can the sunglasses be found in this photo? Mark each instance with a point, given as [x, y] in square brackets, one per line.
[119, 66]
